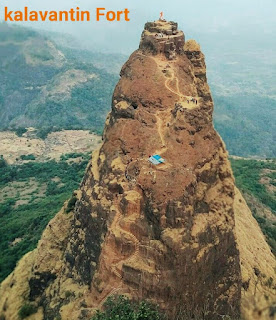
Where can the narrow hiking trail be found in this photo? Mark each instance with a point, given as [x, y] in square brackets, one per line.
[164, 148]
[116, 266]
[170, 80]
[170, 76]
[160, 125]
[185, 101]
[172, 85]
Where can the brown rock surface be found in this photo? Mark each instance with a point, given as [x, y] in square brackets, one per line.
[178, 234]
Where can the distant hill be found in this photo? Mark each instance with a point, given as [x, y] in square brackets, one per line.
[247, 124]
[42, 86]
[241, 70]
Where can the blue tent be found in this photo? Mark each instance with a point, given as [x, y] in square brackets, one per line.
[156, 159]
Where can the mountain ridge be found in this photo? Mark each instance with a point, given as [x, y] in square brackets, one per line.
[42, 87]
[134, 223]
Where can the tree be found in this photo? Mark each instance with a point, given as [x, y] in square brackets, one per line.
[121, 308]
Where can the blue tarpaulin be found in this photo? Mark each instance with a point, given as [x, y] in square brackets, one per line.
[156, 159]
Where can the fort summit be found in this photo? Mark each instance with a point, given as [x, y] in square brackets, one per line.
[67, 15]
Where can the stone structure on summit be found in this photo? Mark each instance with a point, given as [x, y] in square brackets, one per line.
[162, 37]
[179, 233]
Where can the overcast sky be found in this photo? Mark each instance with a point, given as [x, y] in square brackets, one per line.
[194, 17]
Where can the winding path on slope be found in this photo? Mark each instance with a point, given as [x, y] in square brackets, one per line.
[164, 64]
[183, 99]
[177, 85]
[116, 267]
[160, 124]
[164, 148]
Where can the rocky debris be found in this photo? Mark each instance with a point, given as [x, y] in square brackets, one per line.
[175, 233]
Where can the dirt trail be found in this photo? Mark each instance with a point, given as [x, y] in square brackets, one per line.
[185, 101]
[164, 148]
[168, 67]
[159, 129]
[111, 293]
[67, 140]
[116, 267]
[171, 79]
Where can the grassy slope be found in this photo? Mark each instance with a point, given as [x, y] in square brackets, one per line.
[27, 221]
[249, 175]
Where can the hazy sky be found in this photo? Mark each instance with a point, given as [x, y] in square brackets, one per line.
[194, 17]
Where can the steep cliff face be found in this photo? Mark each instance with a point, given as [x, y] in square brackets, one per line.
[177, 233]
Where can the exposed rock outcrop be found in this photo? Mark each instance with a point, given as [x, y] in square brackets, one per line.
[178, 234]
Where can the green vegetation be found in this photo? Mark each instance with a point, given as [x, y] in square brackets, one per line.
[41, 54]
[3, 162]
[249, 175]
[20, 131]
[6, 207]
[122, 308]
[243, 88]
[14, 33]
[71, 204]
[246, 124]
[72, 155]
[31, 70]
[69, 294]
[43, 131]
[26, 310]
[27, 157]
[21, 224]
[110, 62]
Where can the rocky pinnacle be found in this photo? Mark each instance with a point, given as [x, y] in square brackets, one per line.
[179, 233]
